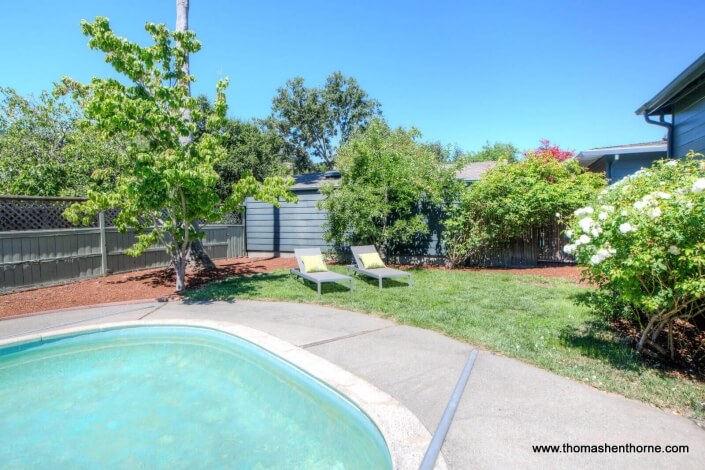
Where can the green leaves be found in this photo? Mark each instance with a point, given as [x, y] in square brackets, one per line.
[46, 150]
[513, 198]
[171, 182]
[388, 177]
[642, 239]
[314, 122]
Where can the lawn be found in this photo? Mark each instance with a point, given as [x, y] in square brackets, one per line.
[531, 318]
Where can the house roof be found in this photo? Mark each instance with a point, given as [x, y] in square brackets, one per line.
[315, 180]
[470, 172]
[588, 157]
[474, 171]
[661, 103]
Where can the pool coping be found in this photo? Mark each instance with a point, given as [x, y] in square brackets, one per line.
[406, 437]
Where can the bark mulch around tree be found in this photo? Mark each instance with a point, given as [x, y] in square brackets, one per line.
[159, 283]
[137, 285]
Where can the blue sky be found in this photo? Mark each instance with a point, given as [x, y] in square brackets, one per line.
[463, 72]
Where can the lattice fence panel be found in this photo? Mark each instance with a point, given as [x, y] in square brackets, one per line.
[35, 213]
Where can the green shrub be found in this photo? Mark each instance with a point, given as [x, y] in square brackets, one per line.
[643, 241]
[513, 198]
[387, 179]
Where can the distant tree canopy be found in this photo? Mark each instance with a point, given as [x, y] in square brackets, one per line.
[497, 151]
[46, 149]
[249, 149]
[314, 122]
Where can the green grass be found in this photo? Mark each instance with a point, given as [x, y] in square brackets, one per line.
[531, 318]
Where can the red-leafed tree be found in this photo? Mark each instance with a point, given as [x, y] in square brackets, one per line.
[549, 152]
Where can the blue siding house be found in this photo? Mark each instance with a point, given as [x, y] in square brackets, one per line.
[680, 108]
[621, 160]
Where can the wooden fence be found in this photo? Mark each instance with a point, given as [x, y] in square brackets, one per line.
[31, 258]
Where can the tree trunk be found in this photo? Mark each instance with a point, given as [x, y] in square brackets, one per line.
[180, 263]
[199, 257]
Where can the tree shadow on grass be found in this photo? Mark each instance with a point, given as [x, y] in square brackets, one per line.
[598, 340]
[231, 288]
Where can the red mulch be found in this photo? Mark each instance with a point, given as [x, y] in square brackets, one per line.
[688, 342]
[572, 273]
[157, 283]
[137, 285]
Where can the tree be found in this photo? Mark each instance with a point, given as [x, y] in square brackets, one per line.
[171, 182]
[513, 198]
[497, 152]
[248, 150]
[387, 178]
[548, 151]
[45, 149]
[314, 122]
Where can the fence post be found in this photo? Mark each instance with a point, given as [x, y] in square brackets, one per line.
[103, 245]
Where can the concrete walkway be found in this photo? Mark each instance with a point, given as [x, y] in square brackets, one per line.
[507, 408]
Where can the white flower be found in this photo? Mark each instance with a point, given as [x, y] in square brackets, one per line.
[625, 188]
[584, 211]
[604, 191]
[689, 204]
[569, 249]
[602, 216]
[671, 163]
[608, 208]
[624, 213]
[662, 195]
[569, 233]
[558, 215]
[639, 205]
[596, 259]
[626, 227]
[674, 250]
[585, 224]
[699, 185]
[583, 240]
[596, 232]
[655, 212]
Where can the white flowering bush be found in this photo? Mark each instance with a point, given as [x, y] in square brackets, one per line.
[643, 241]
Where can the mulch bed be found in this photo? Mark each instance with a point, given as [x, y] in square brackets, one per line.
[137, 285]
[159, 283]
[688, 342]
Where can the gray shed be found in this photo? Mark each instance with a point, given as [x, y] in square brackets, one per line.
[272, 231]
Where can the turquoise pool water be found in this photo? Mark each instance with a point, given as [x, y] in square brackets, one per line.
[173, 397]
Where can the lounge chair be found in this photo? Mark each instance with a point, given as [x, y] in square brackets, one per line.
[378, 273]
[320, 277]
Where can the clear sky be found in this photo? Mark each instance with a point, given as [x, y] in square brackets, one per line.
[463, 72]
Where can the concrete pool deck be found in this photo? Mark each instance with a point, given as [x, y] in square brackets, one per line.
[507, 408]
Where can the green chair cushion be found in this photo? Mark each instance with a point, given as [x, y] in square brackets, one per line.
[371, 261]
[314, 264]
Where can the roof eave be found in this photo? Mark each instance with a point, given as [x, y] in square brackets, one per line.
[665, 97]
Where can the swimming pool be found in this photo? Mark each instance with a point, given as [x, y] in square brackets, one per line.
[176, 397]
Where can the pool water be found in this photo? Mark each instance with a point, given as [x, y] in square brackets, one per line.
[173, 397]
